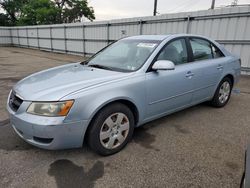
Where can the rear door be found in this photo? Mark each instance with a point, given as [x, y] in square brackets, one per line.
[207, 65]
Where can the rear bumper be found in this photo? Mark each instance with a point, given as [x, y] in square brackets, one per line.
[48, 132]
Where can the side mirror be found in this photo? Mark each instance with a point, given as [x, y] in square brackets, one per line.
[163, 65]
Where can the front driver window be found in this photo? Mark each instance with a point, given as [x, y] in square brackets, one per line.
[175, 51]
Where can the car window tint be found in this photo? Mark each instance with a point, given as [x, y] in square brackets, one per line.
[175, 51]
[216, 52]
[201, 49]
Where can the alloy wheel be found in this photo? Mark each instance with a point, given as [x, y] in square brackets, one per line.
[114, 130]
[224, 92]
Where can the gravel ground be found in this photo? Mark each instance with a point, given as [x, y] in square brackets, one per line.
[197, 147]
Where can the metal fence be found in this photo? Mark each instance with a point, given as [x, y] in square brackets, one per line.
[228, 26]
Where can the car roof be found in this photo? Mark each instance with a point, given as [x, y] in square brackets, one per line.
[172, 36]
[148, 37]
[162, 37]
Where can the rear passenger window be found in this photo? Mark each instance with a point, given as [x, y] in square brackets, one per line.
[216, 52]
[201, 49]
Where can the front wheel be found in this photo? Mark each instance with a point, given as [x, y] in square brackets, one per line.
[111, 129]
[223, 93]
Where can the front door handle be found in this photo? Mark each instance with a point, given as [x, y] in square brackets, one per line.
[189, 74]
[219, 67]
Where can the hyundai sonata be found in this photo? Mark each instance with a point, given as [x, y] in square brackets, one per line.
[132, 81]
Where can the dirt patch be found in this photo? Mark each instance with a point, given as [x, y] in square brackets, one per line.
[68, 174]
[245, 92]
[12, 79]
[7, 65]
[181, 129]
[231, 165]
[15, 52]
[144, 138]
[4, 122]
[10, 141]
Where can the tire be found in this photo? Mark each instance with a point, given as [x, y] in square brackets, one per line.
[115, 123]
[243, 180]
[222, 93]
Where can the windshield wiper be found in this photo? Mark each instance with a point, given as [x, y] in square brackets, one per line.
[85, 62]
[100, 66]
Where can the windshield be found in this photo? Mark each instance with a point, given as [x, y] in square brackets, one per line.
[124, 55]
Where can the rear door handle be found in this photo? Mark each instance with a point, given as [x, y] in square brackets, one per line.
[219, 67]
[189, 74]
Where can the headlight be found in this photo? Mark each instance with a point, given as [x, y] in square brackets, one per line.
[50, 108]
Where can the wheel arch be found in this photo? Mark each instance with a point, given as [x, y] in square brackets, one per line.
[230, 76]
[129, 103]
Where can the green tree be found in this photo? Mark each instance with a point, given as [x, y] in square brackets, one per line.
[33, 12]
[12, 9]
[5, 20]
[74, 10]
[38, 12]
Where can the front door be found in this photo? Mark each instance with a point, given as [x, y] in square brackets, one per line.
[170, 90]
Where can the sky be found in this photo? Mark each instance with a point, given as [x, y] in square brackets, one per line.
[115, 9]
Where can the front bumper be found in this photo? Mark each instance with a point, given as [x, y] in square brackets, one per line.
[47, 132]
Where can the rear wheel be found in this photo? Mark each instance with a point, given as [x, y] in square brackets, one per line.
[223, 93]
[111, 129]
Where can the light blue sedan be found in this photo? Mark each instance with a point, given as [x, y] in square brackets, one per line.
[129, 83]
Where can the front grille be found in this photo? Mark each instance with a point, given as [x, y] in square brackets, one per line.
[15, 101]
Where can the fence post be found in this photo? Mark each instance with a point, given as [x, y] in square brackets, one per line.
[83, 40]
[65, 39]
[108, 33]
[11, 36]
[140, 22]
[188, 24]
[27, 34]
[18, 37]
[37, 36]
[51, 42]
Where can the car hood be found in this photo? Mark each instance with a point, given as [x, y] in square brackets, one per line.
[55, 83]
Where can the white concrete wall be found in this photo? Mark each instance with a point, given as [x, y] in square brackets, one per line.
[229, 26]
